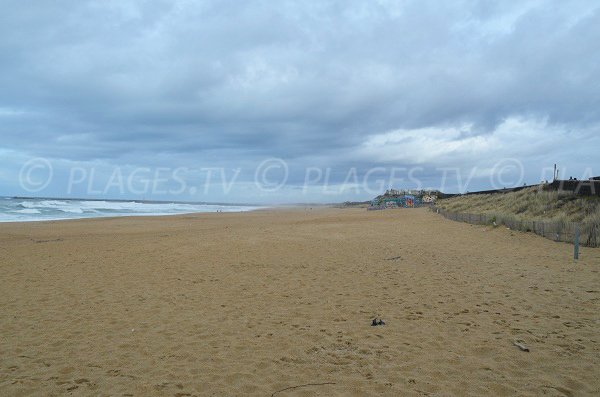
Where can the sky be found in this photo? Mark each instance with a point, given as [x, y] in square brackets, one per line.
[285, 102]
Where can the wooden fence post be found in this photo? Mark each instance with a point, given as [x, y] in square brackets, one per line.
[576, 247]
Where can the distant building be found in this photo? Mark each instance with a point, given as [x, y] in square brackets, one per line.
[429, 199]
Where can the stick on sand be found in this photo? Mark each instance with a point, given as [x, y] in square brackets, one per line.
[307, 384]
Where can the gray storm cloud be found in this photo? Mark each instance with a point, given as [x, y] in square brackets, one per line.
[323, 82]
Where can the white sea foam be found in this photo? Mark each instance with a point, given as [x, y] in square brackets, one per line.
[40, 209]
[29, 211]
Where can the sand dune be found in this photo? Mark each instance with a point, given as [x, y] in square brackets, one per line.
[254, 303]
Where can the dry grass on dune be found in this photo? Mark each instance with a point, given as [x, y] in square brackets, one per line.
[529, 204]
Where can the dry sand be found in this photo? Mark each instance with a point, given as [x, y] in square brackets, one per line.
[252, 303]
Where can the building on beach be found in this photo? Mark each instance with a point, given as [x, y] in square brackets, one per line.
[403, 201]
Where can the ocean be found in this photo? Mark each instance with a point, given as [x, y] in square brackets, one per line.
[40, 209]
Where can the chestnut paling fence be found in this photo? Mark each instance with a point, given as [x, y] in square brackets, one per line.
[589, 233]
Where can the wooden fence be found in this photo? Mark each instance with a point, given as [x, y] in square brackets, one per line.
[553, 230]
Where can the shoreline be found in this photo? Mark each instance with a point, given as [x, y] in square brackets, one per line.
[131, 215]
[123, 216]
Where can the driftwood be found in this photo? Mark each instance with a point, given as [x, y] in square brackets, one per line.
[45, 241]
[521, 345]
[304, 385]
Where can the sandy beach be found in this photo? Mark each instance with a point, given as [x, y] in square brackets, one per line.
[280, 302]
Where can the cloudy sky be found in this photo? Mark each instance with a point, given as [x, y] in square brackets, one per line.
[277, 101]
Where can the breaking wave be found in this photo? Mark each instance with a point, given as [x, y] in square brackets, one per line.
[15, 210]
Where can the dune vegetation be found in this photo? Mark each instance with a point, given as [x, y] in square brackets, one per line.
[531, 204]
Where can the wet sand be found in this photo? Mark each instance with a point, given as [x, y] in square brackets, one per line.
[253, 303]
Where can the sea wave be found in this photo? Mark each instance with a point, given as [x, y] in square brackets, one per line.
[28, 211]
[46, 209]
